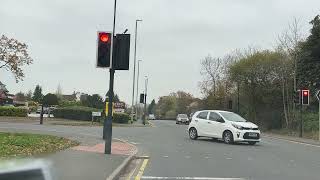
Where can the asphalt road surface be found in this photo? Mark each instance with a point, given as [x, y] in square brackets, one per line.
[173, 154]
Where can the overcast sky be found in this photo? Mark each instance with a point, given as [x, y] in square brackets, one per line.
[173, 37]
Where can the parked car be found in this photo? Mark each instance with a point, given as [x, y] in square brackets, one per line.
[228, 126]
[182, 118]
[45, 110]
[152, 117]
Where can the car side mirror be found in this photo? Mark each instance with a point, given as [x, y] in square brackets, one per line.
[220, 120]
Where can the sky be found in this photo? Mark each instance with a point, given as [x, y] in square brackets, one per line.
[172, 39]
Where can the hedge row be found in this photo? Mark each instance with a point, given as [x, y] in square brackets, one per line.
[13, 111]
[75, 113]
[121, 118]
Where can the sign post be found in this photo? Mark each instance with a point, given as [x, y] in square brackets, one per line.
[318, 97]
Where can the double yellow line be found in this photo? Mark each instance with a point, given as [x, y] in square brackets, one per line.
[141, 170]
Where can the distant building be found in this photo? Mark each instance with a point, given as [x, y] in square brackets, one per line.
[5, 97]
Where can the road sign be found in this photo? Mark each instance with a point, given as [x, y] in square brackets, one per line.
[97, 114]
[318, 95]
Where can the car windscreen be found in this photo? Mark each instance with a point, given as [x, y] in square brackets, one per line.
[230, 116]
[182, 116]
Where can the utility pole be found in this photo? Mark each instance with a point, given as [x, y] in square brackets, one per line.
[107, 128]
[134, 68]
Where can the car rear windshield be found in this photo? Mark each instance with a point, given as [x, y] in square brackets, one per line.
[230, 116]
[182, 116]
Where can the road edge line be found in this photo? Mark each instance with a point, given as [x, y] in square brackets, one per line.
[124, 164]
[290, 140]
[141, 170]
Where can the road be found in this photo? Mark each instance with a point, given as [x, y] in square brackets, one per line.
[173, 154]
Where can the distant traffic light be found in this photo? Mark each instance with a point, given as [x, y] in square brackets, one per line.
[142, 98]
[305, 97]
[297, 97]
[104, 49]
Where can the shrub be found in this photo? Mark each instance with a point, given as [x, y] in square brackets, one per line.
[75, 113]
[13, 111]
[65, 103]
[122, 118]
[310, 121]
[171, 115]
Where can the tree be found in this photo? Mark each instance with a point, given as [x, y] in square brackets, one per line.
[115, 97]
[94, 101]
[13, 56]
[151, 107]
[29, 95]
[50, 99]
[20, 96]
[308, 65]
[37, 94]
[59, 91]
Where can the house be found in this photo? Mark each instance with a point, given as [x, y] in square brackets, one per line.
[5, 97]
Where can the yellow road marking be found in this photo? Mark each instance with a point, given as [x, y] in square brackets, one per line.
[143, 166]
[130, 175]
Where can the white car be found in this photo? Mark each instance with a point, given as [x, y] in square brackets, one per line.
[228, 126]
[182, 118]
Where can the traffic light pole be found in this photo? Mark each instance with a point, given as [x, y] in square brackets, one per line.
[301, 121]
[107, 128]
[108, 120]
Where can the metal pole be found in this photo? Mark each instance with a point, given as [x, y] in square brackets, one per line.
[301, 122]
[145, 101]
[319, 121]
[108, 122]
[238, 98]
[41, 115]
[137, 92]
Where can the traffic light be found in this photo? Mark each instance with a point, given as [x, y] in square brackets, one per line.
[305, 97]
[142, 98]
[104, 49]
[121, 52]
[297, 97]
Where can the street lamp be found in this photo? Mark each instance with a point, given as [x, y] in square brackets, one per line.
[134, 67]
[137, 92]
[145, 100]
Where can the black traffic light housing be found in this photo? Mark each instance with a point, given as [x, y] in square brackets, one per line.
[104, 49]
[305, 93]
[142, 98]
[121, 52]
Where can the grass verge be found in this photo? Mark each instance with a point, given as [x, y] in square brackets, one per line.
[23, 144]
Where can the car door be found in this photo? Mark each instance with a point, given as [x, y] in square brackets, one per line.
[200, 123]
[213, 124]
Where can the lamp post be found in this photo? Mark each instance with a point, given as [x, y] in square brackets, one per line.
[134, 67]
[137, 92]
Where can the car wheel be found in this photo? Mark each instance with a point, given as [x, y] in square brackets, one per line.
[252, 143]
[193, 134]
[177, 122]
[228, 137]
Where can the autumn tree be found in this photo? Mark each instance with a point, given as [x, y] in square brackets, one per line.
[13, 56]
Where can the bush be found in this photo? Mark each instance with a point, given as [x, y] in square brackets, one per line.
[65, 103]
[75, 113]
[122, 118]
[13, 111]
[171, 115]
[310, 122]
[33, 108]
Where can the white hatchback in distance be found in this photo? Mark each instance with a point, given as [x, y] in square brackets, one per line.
[225, 125]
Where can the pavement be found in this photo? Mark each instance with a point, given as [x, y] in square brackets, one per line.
[172, 155]
[83, 162]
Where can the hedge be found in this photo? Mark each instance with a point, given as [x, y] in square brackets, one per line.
[75, 113]
[13, 111]
[121, 118]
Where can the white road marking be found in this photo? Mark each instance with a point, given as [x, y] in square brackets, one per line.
[165, 156]
[296, 142]
[188, 157]
[191, 178]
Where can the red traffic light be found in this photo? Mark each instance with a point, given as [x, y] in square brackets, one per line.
[305, 92]
[104, 37]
